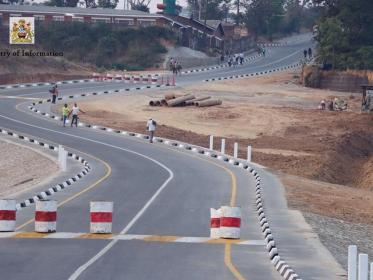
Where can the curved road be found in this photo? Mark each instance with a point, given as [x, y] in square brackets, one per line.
[156, 190]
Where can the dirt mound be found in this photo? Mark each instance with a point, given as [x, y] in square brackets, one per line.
[348, 161]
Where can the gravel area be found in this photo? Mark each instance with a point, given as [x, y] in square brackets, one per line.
[336, 235]
[22, 168]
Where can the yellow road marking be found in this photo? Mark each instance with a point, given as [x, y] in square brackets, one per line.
[30, 235]
[160, 238]
[95, 236]
[108, 173]
[224, 241]
[229, 264]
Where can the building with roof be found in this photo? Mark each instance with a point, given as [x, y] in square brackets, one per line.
[191, 33]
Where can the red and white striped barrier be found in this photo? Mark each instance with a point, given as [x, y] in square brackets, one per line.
[127, 78]
[230, 222]
[215, 223]
[109, 77]
[101, 216]
[136, 79]
[8, 214]
[46, 216]
[154, 80]
[118, 77]
[96, 76]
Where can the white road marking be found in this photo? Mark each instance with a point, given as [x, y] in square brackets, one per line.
[76, 274]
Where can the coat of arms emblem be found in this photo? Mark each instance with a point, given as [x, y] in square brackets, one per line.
[21, 30]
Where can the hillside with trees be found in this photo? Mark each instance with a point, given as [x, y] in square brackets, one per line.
[345, 34]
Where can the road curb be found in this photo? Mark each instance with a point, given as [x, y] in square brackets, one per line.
[50, 191]
[260, 73]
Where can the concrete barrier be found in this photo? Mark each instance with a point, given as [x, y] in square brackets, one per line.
[222, 146]
[249, 151]
[101, 214]
[211, 142]
[230, 222]
[363, 267]
[46, 216]
[235, 150]
[8, 212]
[352, 262]
[215, 223]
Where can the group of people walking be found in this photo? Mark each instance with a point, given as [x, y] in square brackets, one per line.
[74, 111]
[175, 66]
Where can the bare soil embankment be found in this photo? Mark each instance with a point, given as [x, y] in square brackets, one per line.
[21, 168]
[278, 118]
[324, 158]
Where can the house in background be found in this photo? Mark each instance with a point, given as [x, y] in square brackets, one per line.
[191, 33]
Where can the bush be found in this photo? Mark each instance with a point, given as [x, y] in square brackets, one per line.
[105, 45]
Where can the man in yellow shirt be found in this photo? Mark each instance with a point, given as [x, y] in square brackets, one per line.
[65, 114]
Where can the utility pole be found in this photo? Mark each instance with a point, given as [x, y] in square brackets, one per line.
[238, 12]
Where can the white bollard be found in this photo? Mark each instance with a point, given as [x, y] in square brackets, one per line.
[230, 222]
[211, 142]
[101, 216]
[249, 153]
[215, 223]
[371, 271]
[45, 216]
[352, 262]
[63, 162]
[223, 146]
[8, 212]
[363, 267]
[235, 150]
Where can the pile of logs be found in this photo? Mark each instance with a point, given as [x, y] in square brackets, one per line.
[174, 100]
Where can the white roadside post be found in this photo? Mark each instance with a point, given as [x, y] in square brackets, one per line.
[352, 262]
[62, 158]
[211, 142]
[371, 271]
[249, 153]
[363, 267]
[235, 150]
[222, 146]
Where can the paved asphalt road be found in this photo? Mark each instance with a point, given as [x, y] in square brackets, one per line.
[156, 190]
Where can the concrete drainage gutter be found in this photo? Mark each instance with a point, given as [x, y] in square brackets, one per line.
[68, 183]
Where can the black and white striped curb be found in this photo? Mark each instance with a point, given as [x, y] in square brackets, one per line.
[272, 44]
[82, 95]
[281, 266]
[260, 73]
[45, 84]
[225, 65]
[58, 187]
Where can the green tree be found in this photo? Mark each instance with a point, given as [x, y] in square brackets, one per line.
[350, 44]
[264, 17]
[107, 3]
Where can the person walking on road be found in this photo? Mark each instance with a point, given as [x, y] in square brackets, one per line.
[151, 126]
[54, 92]
[309, 53]
[305, 53]
[65, 114]
[75, 112]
